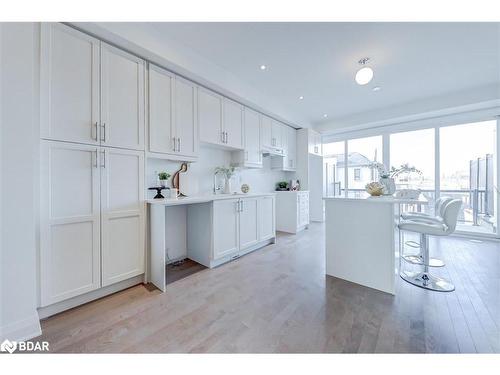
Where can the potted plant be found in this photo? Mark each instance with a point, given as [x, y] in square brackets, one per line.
[282, 186]
[227, 172]
[388, 178]
[163, 177]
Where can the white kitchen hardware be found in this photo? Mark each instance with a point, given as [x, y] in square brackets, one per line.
[292, 211]
[90, 92]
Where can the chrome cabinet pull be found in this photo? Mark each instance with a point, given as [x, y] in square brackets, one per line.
[95, 161]
[222, 137]
[103, 126]
[103, 165]
[95, 128]
[174, 144]
[178, 145]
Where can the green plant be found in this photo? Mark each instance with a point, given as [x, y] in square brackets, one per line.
[404, 168]
[226, 171]
[282, 185]
[163, 176]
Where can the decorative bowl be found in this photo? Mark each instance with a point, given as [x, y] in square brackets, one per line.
[375, 189]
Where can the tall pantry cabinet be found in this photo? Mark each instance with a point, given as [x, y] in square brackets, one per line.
[92, 109]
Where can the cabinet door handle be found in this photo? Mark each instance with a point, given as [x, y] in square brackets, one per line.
[225, 137]
[174, 144]
[103, 126]
[103, 165]
[95, 161]
[178, 145]
[246, 155]
[95, 124]
[222, 137]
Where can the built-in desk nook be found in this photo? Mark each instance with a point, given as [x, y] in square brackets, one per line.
[210, 230]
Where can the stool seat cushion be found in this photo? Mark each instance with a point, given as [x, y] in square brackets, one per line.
[431, 228]
[428, 219]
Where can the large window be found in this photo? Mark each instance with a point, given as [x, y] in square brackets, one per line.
[414, 149]
[467, 172]
[464, 155]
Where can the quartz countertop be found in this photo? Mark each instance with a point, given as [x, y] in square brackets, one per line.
[203, 198]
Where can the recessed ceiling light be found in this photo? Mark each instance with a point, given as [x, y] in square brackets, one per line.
[325, 115]
[377, 88]
[263, 67]
[301, 97]
[365, 74]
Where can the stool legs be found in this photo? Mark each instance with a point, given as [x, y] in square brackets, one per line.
[424, 279]
[418, 258]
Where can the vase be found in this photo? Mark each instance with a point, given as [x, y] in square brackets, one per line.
[227, 186]
[389, 185]
[163, 183]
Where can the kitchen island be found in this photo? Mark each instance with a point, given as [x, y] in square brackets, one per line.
[362, 239]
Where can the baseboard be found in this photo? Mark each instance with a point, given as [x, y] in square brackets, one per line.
[56, 308]
[22, 330]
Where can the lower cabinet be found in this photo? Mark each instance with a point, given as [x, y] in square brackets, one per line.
[92, 218]
[240, 225]
[292, 211]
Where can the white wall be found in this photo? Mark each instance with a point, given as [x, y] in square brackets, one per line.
[259, 180]
[19, 170]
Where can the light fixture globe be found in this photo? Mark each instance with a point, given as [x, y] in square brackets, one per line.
[364, 75]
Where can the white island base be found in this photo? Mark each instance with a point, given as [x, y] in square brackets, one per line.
[361, 239]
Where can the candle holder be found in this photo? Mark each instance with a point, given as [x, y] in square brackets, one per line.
[158, 191]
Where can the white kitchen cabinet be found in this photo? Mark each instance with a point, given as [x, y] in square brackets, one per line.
[122, 214]
[277, 134]
[69, 220]
[266, 132]
[210, 117]
[173, 128]
[292, 211]
[267, 219]
[251, 156]
[122, 98]
[161, 111]
[186, 125]
[289, 161]
[315, 143]
[69, 84]
[232, 123]
[249, 222]
[226, 229]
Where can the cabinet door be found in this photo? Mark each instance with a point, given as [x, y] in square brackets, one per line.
[266, 132]
[69, 85]
[122, 99]
[233, 124]
[186, 127]
[249, 222]
[253, 152]
[292, 148]
[226, 227]
[161, 125]
[69, 221]
[277, 134]
[267, 218]
[210, 116]
[122, 214]
[302, 209]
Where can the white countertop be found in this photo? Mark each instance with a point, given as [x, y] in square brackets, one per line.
[203, 198]
[291, 191]
[381, 199]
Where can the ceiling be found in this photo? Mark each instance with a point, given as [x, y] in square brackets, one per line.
[318, 61]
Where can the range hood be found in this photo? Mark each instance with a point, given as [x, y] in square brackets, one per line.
[273, 151]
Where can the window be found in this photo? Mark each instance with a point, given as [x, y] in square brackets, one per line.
[333, 180]
[467, 172]
[357, 174]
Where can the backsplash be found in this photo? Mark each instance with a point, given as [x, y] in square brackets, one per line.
[259, 180]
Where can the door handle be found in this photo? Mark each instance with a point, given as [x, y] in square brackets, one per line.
[103, 126]
[103, 165]
[95, 161]
[174, 144]
[178, 144]
[222, 136]
[95, 127]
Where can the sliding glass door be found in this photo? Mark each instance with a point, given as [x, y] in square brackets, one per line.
[333, 175]
[467, 172]
[362, 156]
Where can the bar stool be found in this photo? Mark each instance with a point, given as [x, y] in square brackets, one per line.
[423, 278]
[419, 216]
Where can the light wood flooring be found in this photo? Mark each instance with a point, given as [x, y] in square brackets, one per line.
[278, 299]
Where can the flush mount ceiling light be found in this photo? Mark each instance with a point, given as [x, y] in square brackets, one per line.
[325, 115]
[263, 67]
[301, 97]
[365, 74]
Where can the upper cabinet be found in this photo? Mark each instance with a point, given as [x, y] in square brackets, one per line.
[220, 120]
[277, 130]
[315, 143]
[251, 156]
[122, 98]
[289, 142]
[90, 92]
[69, 85]
[266, 133]
[173, 128]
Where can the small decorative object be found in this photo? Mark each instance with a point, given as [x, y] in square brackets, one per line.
[294, 185]
[408, 193]
[158, 191]
[387, 178]
[175, 178]
[282, 186]
[375, 189]
[227, 172]
[174, 193]
[245, 188]
[163, 177]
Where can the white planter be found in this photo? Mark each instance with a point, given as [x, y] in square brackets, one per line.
[227, 186]
[389, 185]
[163, 183]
